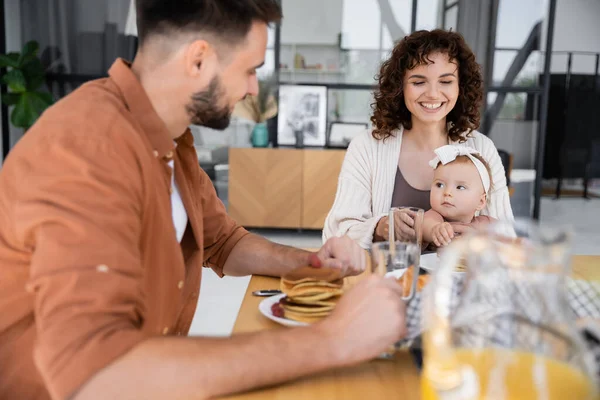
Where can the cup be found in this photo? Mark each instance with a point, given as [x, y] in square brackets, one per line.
[406, 225]
[393, 260]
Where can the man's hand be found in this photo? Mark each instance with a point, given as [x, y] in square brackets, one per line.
[367, 320]
[442, 234]
[343, 253]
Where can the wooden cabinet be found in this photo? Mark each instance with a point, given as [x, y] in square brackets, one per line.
[282, 188]
[320, 172]
[263, 187]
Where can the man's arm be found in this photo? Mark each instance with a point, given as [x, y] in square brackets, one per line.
[371, 316]
[231, 250]
[200, 368]
[255, 255]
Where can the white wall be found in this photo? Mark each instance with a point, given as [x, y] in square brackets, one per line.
[518, 138]
[311, 21]
[577, 28]
[87, 11]
[12, 14]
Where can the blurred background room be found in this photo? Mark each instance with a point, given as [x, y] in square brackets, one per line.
[276, 166]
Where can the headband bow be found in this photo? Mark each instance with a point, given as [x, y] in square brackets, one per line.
[448, 153]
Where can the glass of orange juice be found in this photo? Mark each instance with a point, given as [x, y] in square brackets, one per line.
[504, 329]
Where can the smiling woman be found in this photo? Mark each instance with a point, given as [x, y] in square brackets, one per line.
[429, 95]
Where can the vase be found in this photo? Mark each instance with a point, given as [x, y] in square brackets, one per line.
[260, 135]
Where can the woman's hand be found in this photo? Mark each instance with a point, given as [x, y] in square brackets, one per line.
[381, 230]
[404, 222]
[403, 226]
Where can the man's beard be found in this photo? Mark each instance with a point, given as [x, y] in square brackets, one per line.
[204, 108]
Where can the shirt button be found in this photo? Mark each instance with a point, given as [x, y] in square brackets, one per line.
[102, 268]
[155, 153]
[169, 155]
[180, 285]
[166, 330]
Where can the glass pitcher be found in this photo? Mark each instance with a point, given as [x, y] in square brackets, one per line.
[503, 329]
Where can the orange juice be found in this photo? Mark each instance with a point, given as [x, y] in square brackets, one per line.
[512, 375]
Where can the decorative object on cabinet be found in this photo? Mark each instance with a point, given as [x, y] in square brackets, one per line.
[259, 109]
[302, 115]
[342, 133]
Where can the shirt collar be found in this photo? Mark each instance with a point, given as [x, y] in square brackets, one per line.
[138, 103]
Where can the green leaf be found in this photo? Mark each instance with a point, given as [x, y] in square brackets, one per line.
[39, 101]
[10, 99]
[29, 108]
[9, 60]
[34, 72]
[23, 115]
[29, 52]
[31, 47]
[15, 81]
[46, 97]
[25, 77]
[35, 82]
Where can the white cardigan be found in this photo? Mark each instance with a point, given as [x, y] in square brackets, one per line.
[366, 185]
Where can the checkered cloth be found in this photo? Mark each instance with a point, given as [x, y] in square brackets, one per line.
[503, 312]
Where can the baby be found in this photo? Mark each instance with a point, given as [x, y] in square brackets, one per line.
[461, 183]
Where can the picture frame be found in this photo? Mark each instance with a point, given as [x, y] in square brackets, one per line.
[341, 133]
[302, 115]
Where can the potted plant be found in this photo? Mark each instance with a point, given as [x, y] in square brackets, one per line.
[24, 77]
[259, 109]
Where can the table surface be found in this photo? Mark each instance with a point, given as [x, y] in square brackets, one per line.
[378, 379]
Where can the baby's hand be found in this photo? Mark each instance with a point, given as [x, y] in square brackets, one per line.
[442, 234]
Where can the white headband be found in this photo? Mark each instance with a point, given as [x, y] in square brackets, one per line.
[448, 153]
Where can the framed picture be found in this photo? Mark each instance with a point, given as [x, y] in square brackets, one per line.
[342, 133]
[302, 118]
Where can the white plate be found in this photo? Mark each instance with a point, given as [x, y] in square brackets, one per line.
[430, 262]
[396, 274]
[265, 309]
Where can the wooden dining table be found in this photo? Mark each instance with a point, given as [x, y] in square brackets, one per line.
[397, 378]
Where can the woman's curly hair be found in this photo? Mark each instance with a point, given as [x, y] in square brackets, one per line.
[389, 109]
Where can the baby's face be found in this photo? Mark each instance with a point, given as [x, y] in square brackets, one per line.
[457, 191]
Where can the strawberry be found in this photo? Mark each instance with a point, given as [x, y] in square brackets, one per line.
[276, 310]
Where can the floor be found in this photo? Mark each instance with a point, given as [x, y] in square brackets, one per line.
[220, 299]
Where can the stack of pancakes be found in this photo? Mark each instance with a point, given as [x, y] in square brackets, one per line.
[311, 293]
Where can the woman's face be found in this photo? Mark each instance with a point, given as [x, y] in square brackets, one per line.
[431, 90]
